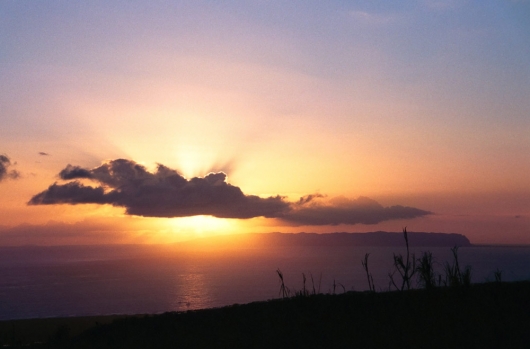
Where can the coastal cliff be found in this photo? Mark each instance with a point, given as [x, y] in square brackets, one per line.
[379, 238]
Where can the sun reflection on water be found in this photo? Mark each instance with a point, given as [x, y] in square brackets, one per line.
[192, 290]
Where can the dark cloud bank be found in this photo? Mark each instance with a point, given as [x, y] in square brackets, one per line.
[5, 163]
[165, 193]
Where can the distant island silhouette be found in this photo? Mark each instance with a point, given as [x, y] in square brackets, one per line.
[378, 238]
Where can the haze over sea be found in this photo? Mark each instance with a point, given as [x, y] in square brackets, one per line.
[60, 281]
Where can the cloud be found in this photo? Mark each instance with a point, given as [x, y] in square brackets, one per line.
[5, 163]
[374, 19]
[71, 193]
[341, 210]
[72, 172]
[43, 153]
[308, 198]
[165, 193]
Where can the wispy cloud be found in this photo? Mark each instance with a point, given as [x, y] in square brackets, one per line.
[375, 19]
[5, 173]
[43, 153]
[165, 193]
[443, 5]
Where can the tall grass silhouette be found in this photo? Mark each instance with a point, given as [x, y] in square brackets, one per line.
[405, 266]
[369, 276]
[407, 269]
[425, 270]
[454, 276]
[284, 290]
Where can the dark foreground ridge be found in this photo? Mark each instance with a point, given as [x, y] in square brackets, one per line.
[379, 238]
[492, 315]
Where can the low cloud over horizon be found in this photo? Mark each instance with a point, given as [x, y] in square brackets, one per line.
[166, 193]
[312, 210]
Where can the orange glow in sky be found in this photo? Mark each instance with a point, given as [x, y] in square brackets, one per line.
[407, 104]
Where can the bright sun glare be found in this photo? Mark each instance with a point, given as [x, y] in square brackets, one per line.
[193, 162]
[201, 225]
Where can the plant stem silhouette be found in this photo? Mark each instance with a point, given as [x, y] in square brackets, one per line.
[284, 290]
[369, 277]
[406, 267]
[425, 270]
[454, 276]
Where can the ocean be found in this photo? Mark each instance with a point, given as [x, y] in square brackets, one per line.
[40, 282]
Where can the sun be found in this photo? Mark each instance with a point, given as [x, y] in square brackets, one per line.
[202, 225]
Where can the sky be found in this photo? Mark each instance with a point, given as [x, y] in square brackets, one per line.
[163, 121]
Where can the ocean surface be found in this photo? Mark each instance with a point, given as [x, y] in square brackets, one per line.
[38, 282]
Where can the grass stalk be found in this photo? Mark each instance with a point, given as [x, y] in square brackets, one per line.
[369, 277]
[425, 270]
[405, 266]
[284, 290]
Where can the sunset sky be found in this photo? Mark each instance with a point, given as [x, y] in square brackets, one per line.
[162, 121]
